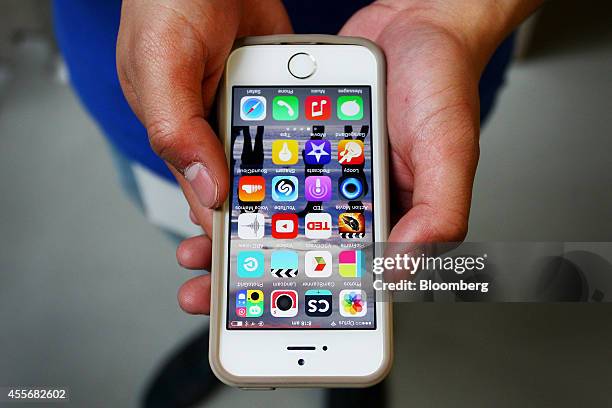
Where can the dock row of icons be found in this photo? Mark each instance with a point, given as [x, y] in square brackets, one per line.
[286, 188]
[286, 264]
[351, 225]
[287, 108]
[285, 303]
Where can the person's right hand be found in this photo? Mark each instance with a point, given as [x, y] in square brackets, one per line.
[170, 57]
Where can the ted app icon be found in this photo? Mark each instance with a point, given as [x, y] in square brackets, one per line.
[318, 107]
[251, 188]
[284, 226]
[318, 225]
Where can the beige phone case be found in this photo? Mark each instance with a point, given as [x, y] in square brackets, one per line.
[219, 267]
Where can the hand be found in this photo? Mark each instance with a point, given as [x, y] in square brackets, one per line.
[435, 54]
[170, 57]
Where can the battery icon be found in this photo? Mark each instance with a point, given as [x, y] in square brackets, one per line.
[235, 323]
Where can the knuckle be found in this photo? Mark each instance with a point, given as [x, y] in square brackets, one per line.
[163, 138]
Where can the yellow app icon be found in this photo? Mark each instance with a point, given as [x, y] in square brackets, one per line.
[284, 152]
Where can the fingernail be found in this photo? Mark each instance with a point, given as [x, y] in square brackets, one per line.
[203, 184]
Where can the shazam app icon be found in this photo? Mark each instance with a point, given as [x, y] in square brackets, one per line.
[253, 108]
[284, 188]
[251, 226]
[250, 264]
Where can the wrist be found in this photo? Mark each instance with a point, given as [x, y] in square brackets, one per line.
[480, 25]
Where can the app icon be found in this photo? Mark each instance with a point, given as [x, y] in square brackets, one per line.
[350, 108]
[251, 226]
[285, 107]
[284, 303]
[318, 303]
[351, 225]
[353, 303]
[318, 264]
[318, 107]
[253, 108]
[284, 264]
[350, 188]
[318, 188]
[249, 303]
[351, 263]
[251, 188]
[318, 225]
[284, 188]
[284, 152]
[350, 152]
[250, 264]
[284, 226]
[317, 152]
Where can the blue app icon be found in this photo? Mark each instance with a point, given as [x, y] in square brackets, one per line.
[284, 264]
[351, 188]
[284, 188]
[250, 264]
[317, 152]
[253, 108]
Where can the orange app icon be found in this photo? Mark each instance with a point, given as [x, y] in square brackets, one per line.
[351, 225]
[251, 188]
[350, 152]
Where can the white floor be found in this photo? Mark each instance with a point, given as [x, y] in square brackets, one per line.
[87, 287]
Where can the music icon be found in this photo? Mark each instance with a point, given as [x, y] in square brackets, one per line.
[318, 107]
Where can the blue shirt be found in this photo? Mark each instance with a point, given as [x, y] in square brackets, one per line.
[86, 32]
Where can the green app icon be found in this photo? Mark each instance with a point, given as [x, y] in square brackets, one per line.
[350, 108]
[285, 108]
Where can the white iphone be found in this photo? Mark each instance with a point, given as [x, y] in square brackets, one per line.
[303, 122]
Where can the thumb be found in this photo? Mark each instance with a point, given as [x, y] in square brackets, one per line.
[169, 76]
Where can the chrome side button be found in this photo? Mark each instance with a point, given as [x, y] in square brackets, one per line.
[302, 65]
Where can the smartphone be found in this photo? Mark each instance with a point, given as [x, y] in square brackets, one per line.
[302, 119]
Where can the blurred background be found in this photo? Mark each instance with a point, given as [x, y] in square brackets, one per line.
[87, 285]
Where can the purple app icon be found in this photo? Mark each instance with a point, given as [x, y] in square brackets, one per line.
[317, 152]
[318, 188]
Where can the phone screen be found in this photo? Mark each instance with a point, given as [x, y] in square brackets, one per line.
[301, 209]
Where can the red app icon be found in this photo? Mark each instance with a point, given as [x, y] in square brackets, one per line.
[284, 226]
[318, 107]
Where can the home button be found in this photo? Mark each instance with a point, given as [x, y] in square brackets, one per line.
[302, 65]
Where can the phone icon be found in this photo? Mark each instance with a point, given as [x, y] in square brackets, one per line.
[285, 107]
